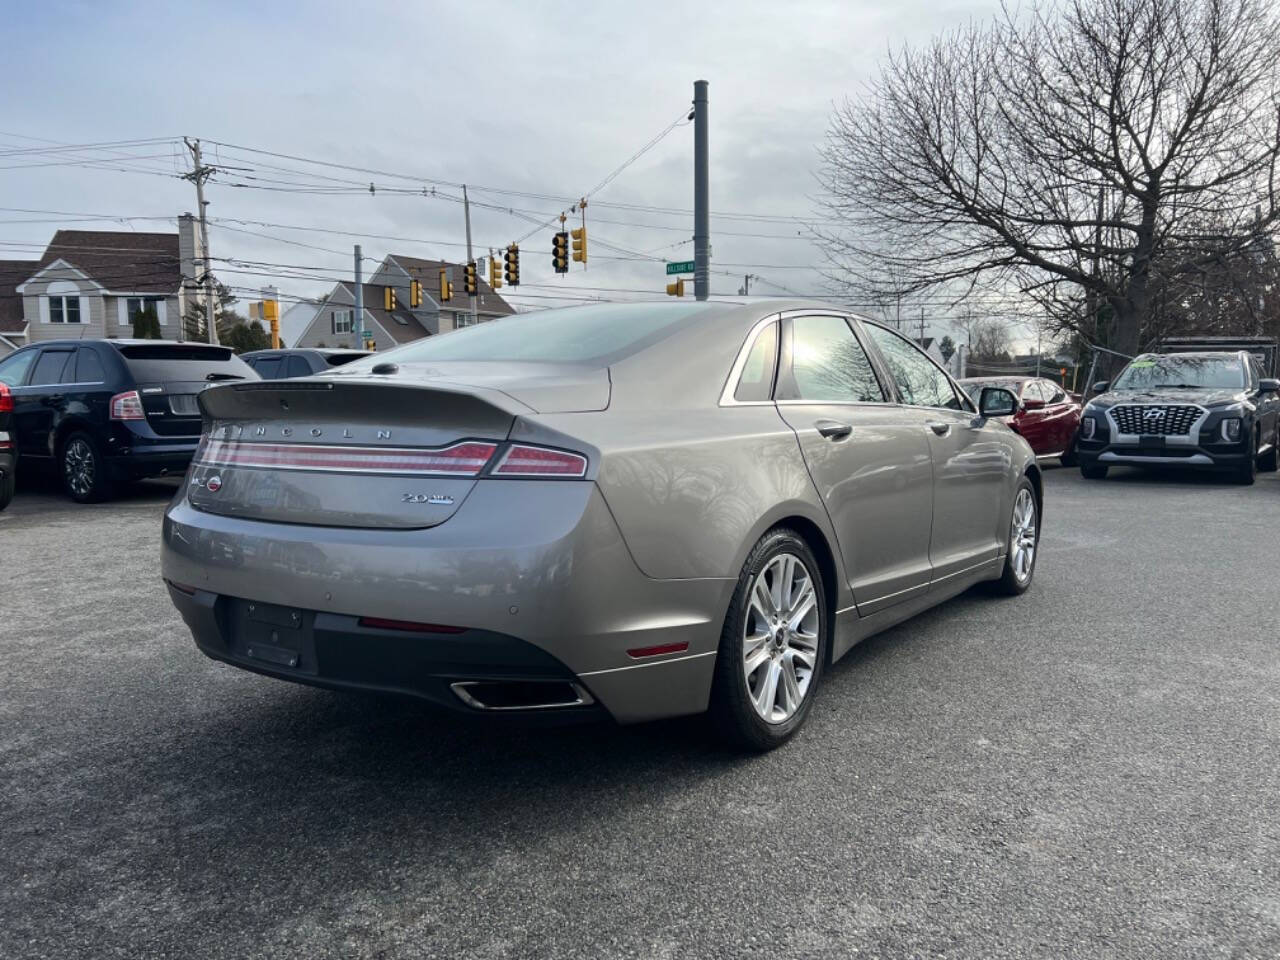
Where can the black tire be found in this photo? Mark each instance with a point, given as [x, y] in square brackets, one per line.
[1270, 461]
[85, 475]
[1093, 471]
[1069, 457]
[1246, 471]
[733, 708]
[1014, 579]
[8, 484]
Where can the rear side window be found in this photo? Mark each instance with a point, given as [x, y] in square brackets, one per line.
[268, 368]
[13, 370]
[160, 362]
[920, 381]
[89, 366]
[50, 366]
[756, 380]
[297, 367]
[828, 364]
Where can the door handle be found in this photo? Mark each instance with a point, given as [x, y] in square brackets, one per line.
[940, 427]
[834, 429]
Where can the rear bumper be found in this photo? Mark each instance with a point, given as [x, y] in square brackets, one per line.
[133, 450]
[534, 572]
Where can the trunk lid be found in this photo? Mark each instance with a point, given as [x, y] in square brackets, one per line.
[372, 452]
[170, 377]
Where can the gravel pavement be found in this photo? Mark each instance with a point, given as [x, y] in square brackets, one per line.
[1091, 770]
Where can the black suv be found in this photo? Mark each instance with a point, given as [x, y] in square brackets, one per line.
[298, 362]
[109, 411]
[1213, 410]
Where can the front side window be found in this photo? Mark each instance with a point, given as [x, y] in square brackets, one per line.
[64, 309]
[920, 381]
[342, 321]
[828, 365]
[756, 379]
[13, 370]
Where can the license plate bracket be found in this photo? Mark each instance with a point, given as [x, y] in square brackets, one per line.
[1150, 442]
[269, 633]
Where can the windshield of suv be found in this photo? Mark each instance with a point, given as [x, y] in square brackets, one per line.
[1223, 372]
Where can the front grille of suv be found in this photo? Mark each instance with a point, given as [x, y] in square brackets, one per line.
[1174, 420]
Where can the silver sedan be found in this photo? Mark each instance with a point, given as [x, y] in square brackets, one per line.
[627, 510]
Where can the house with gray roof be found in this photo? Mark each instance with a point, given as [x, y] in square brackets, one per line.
[390, 326]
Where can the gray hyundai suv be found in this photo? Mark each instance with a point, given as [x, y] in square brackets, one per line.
[1205, 410]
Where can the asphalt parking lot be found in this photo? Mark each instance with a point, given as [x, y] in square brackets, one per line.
[1091, 770]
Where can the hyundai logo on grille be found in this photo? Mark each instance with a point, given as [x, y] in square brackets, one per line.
[1155, 413]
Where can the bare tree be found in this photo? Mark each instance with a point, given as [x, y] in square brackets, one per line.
[1087, 154]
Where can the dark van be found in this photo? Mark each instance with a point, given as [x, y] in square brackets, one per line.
[109, 411]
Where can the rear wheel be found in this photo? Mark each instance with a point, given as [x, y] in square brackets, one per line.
[1024, 541]
[773, 644]
[1093, 471]
[84, 473]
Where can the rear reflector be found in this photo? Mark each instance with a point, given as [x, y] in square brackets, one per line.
[381, 623]
[659, 650]
[521, 460]
[461, 460]
[127, 406]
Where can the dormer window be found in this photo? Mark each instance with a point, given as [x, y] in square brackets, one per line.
[64, 309]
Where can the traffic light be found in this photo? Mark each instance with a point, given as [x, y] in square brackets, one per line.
[512, 258]
[495, 280]
[388, 298]
[676, 289]
[560, 252]
[472, 284]
[271, 314]
[415, 294]
[446, 288]
[579, 244]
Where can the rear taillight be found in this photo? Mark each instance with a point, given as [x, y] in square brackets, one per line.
[461, 460]
[127, 406]
[522, 460]
[6, 399]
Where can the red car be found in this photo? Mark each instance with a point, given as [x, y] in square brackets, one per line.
[1048, 416]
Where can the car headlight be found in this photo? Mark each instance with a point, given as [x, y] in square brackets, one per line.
[1231, 429]
[1087, 427]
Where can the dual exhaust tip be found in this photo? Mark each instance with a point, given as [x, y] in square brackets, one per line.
[494, 695]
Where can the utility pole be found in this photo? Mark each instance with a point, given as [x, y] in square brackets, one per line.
[357, 321]
[922, 327]
[746, 286]
[701, 198]
[466, 207]
[198, 176]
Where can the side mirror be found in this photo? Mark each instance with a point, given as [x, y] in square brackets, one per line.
[1102, 386]
[1269, 385]
[997, 402]
[1030, 404]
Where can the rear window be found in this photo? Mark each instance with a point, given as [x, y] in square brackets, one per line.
[587, 335]
[268, 367]
[160, 362]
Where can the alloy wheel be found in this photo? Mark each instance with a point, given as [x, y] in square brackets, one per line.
[1022, 535]
[780, 638]
[78, 463]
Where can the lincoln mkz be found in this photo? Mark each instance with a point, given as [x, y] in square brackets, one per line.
[625, 510]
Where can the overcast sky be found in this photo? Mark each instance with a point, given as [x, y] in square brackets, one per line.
[538, 98]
